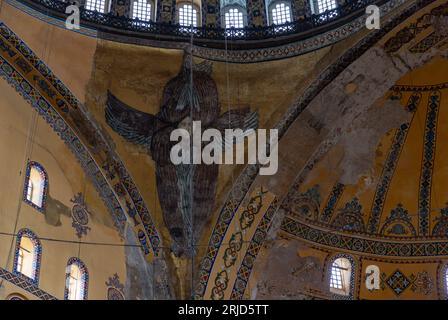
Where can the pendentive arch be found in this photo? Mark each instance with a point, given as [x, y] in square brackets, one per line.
[36, 83]
[246, 180]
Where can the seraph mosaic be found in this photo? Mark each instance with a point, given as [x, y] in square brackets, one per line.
[186, 191]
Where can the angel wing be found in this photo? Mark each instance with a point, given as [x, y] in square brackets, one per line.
[243, 119]
[133, 125]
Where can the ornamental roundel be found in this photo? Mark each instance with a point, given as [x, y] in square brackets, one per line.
[80, 215]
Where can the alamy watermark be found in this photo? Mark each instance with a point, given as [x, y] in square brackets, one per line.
[211, 147]
[373, 18]
[72, 21]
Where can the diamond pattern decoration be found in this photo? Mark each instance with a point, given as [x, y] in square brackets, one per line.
[398, 282]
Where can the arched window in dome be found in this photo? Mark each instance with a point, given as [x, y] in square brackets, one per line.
[188, 14]
[36, 186]
[76, 280]
[233, 18]
[320, 6]
[279, 12]
[27, 255]
[142, 10]
[102, 6]
[341, 276]
[233, 13]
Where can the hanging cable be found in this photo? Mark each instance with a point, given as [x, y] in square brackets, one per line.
[29, 144]
[191, 174]
[27, 154]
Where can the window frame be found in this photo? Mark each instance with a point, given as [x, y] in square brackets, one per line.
[37, 255]
[107, 6]
[272, 5]
[229, 7]
[152, 10]
[321, 16]
[315, 6]
[26, 188]
[345, 292]
[84, 274]
[195, 7]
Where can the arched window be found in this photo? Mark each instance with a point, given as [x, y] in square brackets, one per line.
[76, 280]
[188, 15]
[446, 281]
[16, 296]
[280, 12]
[320, 6]
[27, 255]
[340, 276]
[234, 17]
[97, 5]
[36, 185]
[142, 10]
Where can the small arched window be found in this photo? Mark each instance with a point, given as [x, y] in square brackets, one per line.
[233, 17]
[320, 6]
[142, 10]
[340, 276]
[27, 255]
[36, 186]
[16, 296]
[188, 15]
[76, 280]
[101, 6]
[446, 281]
[280, 12]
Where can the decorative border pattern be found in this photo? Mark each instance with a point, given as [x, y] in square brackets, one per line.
[404, 88]
[332, 201]
[37, 255]
[84, 277]
[410, 32]
[427, 43]
[44, 175]
[433, 248]
[25, 285]
[429, 151]
[243, 274]
[254, 210]
[386, 177]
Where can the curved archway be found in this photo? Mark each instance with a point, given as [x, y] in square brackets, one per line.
[68, 118]
[375, 44]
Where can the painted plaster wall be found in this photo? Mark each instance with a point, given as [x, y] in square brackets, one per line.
[65, 180]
